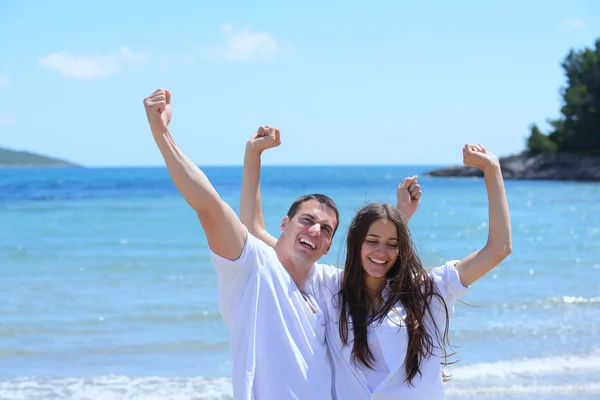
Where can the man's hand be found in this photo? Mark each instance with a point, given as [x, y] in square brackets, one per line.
[475, 155]
[266, 138]
[409, 196]
[158, 110]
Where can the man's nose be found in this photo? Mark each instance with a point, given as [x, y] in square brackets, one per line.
[316, 229]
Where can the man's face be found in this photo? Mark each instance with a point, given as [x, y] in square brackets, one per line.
[309, 234]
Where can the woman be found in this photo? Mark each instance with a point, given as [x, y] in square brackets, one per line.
[391, 316]
[388, 317]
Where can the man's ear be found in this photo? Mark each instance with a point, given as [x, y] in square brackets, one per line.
[284, 223]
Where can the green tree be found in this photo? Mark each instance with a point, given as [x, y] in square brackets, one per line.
[578, 130]
[581, 109]
[538, 143]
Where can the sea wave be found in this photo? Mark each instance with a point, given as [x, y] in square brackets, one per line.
[118, 387]
[510, 369]
[547, 303]
[535, 390]
[534, 378]
[89, 327]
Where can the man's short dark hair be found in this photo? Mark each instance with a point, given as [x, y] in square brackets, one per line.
[320, 198]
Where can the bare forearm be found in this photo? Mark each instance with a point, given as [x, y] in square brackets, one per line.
[499, 244]
[499, 234]
[405, 213]
[250, 204]
[191, 182]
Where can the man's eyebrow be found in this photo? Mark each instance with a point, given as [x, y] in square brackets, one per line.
[328, 226]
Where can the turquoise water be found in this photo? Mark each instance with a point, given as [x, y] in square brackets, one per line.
[106, 289]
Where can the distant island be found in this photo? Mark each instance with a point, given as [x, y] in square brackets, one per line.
[560, 167]
[16, 158]
[571, 150]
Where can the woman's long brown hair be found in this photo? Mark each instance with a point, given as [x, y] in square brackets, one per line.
[409, 284]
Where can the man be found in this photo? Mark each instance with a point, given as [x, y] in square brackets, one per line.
[277, 333]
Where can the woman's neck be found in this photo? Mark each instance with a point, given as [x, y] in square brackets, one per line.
[375, 288]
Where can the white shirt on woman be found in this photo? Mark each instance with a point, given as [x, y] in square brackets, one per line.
[388, 341]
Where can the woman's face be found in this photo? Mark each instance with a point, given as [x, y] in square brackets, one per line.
[379, 252]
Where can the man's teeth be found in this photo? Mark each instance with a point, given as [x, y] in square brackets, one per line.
[376, 261]
[308, 242]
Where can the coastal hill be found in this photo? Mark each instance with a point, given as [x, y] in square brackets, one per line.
[571, 150]
[562, 166]
[15, 158]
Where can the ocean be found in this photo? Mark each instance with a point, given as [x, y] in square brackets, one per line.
[107, 292]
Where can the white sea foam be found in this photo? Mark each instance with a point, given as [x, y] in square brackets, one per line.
[576, 300]
[527, 378]
[534, 390]
[118, 388]
[507, 370]
[533, 378]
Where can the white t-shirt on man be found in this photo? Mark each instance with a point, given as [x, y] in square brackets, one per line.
[278, 344]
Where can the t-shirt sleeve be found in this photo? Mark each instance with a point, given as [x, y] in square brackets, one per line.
[234, 276]
[326, 284]
[329, 276]
[448, 283]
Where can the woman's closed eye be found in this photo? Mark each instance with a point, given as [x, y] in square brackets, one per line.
[391, 245]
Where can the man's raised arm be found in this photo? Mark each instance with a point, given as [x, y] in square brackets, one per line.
[250, 203]
[225, 233]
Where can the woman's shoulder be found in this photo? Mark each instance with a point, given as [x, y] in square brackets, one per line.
[447, 279]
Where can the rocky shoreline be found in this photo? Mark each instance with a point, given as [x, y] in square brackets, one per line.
[561, 167]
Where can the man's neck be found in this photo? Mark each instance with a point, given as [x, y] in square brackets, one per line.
[298, 271]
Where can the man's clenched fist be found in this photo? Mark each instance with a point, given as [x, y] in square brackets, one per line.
[158, 110]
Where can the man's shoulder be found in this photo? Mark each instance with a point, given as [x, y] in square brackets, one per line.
[260, 251]
[254, 250]
[326, 268]
[326, 274]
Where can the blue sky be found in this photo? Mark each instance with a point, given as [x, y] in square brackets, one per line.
[346, 82]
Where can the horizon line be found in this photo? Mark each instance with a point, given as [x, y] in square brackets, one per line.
[267, 165]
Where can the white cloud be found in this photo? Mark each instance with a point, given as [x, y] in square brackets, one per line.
[6, 120]
[133, 58]
[4, 82]
[93, 66]
[246, 45]
[575, 23]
